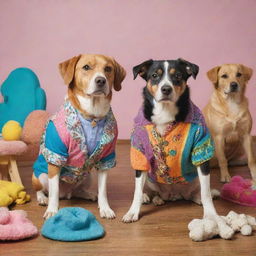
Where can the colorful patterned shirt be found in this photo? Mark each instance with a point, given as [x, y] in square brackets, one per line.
[64, 143]
[173, 157]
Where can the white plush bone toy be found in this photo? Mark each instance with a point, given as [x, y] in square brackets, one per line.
[204, 229]
[241, 222]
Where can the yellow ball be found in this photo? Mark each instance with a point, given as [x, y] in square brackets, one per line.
[11, 130]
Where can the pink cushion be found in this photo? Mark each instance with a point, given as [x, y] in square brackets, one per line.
[15, 147]
[34, 126]
[14, 225]
[239, 191]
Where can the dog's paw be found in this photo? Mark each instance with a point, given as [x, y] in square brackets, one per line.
[196, 200]
[87, 195]
[175, 198]
[92, 196]
[50, 212]
[130, 216]
[215, 193]
[225, 178]
[157, 200]
[42, 199]
[145, 199]
[106, 212]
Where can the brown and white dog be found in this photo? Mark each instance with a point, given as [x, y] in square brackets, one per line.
[228, 117]
[90, 79]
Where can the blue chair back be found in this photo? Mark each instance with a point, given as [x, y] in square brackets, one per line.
[22, 94]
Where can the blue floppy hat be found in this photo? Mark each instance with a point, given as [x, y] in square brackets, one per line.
[73, 224]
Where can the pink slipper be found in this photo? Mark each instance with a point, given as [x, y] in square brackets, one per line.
[14, 225]
[239, 191]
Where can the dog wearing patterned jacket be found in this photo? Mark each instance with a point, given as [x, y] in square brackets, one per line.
[170, 143]
[81, 136]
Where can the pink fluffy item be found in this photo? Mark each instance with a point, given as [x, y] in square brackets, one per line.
[11, 148]
[240, 191]
[14, 225]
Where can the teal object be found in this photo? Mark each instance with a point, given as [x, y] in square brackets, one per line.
[22, 94]
[72, 224]
[173, 152]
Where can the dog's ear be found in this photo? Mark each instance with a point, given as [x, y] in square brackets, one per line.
[247, 72]
[142, 69]
[212, 75]
[67, 69]
[120, 74]
[191, 68]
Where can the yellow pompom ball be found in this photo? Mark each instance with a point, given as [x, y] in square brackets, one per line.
[11, 130]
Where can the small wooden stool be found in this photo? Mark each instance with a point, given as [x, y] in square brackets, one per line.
[8, 165]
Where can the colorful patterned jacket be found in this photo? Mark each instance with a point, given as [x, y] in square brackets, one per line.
[64, 144]
[171, 158]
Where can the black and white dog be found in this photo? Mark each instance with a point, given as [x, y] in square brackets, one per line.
[167, 107]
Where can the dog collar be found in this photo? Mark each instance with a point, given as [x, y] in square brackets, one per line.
[95, 121]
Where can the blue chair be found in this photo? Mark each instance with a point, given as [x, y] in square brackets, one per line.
[22, 94]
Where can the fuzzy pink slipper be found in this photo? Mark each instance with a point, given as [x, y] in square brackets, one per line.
[14, 225]
[239, 191]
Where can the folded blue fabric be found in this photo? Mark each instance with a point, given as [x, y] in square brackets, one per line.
[73, 224]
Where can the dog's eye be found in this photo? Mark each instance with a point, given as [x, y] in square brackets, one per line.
[108, 69]
[86, 67]
[154, 75]
[224, 76]
[238, 74]
[178, 76]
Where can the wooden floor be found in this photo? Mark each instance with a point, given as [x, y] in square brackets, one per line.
[162, 230]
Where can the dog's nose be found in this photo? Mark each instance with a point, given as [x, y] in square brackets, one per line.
[166, 90]
[233, 86]
[100, 81]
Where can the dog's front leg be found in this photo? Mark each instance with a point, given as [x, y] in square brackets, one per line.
[53, 200]
[219, 141]
[209, 210]
[134, 211]
[105, 210]
[248, 147]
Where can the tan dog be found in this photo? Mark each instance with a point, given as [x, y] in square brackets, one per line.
[228, 117]
[90, 79]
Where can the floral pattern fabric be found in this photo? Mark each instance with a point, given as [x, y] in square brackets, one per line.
[77, 164]
[173, 157]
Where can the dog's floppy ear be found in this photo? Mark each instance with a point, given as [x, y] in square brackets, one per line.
[247, 72]
[212, 74]
[191, 68]
[67, 69]
[120, 74]
[142, 69]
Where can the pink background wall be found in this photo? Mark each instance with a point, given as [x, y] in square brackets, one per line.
[40, 34]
